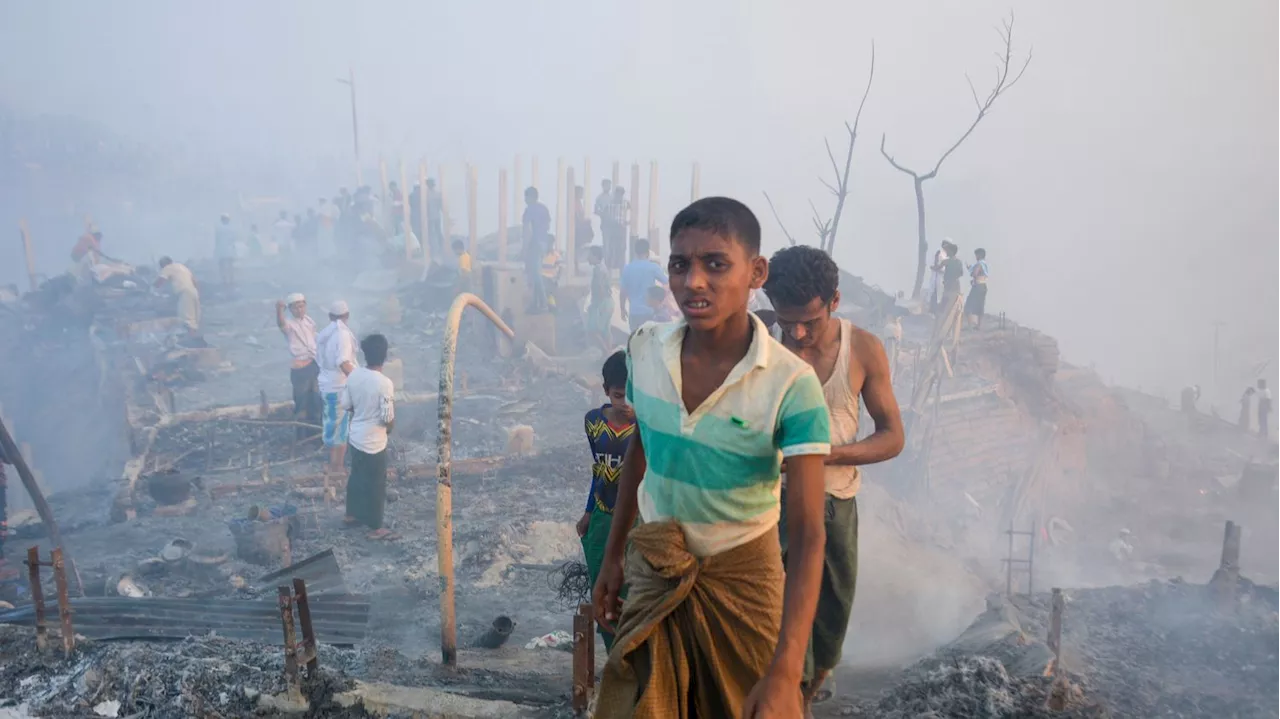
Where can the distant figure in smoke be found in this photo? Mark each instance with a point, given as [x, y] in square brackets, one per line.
[952, 271]
[369, 398]
[613, 228]
[1246, 400]
[183, 285]
[935, 276]
[600, 309]
[327, 226]
[397, 206]
[282, 232]
[224, 248]
[435, 219]
[975, 305]
[609, 430]
[1190, 396]
[535, 235]
[583, 233]
[336, 355]
[1264, 409]
[299, 331]
[636, 278]
[603, 199]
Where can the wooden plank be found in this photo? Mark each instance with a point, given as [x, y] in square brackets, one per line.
[11, 452]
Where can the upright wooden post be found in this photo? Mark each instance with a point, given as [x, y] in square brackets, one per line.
[560, 195]
[502, 216]
[1227, 579]
[635, 209]
[37, 597]
[695, 191]
[517, 187]
[404, 210]
[617, 173]
[533, 173]
[64, 602]
[473, 238]
[386, 201]
[26, 252]
[588, 192]
[422, 212]
[446, 221]
[571, 221]
[653, 207]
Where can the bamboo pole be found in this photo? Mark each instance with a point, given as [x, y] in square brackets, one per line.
[422, 212]
[14, 455]
[617, 173]
[517, 187]
[404, 210]
[502, 216]
[587, 191]
[444, 476]
[26, 252]
[635, 209]
[695, 190]
[473, 238]
[571, 221]
[653, 206]
[560, 201]
[445, 220]
[386, 201]
[533, 172]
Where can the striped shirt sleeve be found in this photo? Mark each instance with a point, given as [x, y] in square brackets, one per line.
[804, 426]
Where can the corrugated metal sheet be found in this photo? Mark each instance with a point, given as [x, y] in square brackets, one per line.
[320, 571]
[339, 620]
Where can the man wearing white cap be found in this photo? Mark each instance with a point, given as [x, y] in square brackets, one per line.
[304, 374]
[336, 355]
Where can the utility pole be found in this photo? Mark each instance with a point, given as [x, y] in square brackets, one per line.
[350, 81]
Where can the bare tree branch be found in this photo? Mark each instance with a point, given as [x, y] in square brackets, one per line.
[790, 239]
[894, 162]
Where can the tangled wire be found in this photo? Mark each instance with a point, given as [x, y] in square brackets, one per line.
[571, 583]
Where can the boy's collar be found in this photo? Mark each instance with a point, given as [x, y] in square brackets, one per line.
[757, 354]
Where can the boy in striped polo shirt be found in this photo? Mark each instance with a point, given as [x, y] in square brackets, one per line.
[708, 624]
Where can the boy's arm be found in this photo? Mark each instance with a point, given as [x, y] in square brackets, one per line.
[806, 537]
[877, 392]
[387, 410]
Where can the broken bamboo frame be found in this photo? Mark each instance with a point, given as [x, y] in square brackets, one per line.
[444, 477]
[517, 188]
[1227, 578]
[64, 603]
[560, 195]
[290, 641]
[571, 222]
[617, 173]
[584, 666]
[473, 237]
[11, 453]
[309, 653]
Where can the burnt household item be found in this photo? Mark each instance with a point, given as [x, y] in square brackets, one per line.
[169, 487]
[266, 541]
[320, 571]
[498, 634]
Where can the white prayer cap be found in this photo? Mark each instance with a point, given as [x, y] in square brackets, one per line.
[339, 308]
[294, 298]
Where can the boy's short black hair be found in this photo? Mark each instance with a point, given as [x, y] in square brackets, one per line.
[798, 274]
[656, 293]
[980, 253]
[641, 246]
[615, 370]
[722, 216]
[374, 348]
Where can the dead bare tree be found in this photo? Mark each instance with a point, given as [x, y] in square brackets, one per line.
[826, 228]
[1004, 81]
[774, 210]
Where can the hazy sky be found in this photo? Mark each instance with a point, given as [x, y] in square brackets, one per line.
[1126, 190]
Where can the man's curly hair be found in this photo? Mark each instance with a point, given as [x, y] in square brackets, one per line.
[800, 273]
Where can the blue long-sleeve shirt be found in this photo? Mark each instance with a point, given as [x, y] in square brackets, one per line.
[608, 447]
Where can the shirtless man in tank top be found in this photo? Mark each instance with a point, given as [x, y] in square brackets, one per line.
[851, 364]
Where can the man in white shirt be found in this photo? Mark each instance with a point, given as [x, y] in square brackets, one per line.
[369, 397]
[183, 285]
[282, 232]
[336, 355]
[300, 332]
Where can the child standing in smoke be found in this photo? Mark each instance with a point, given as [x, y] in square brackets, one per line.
[609, 430]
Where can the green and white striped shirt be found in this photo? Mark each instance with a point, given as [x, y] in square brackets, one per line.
[715, 470]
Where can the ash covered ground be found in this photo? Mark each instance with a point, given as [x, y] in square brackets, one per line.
[925, 568]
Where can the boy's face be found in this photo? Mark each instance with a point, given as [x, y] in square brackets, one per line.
[712, 276]
[806, 325]
[617, 396]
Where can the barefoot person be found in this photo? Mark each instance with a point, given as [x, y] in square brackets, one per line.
[711, 626]
[336, 355]
[609, 428]
[369, 397]
[850, 362]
